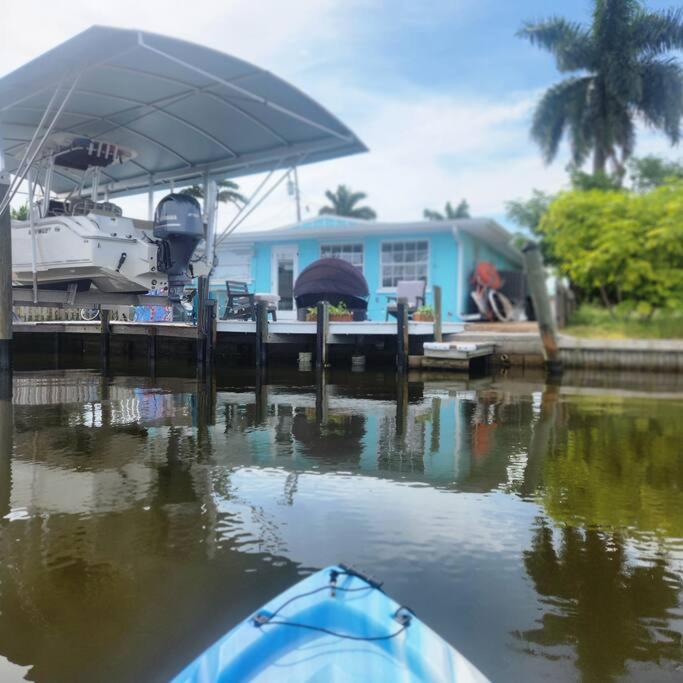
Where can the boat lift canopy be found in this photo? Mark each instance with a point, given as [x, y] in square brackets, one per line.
[186, 111]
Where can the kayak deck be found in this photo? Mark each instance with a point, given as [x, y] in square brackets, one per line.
[335, 625]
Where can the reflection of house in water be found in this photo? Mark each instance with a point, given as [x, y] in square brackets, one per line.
[440, 436]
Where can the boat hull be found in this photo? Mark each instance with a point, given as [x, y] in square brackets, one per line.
[352, 633]
[111, 253]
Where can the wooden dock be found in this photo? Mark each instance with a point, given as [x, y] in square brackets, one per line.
[228, 338]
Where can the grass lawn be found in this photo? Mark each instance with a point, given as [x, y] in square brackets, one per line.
[596, 323]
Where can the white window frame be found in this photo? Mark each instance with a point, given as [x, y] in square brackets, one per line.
[355, 243]
[381, 287]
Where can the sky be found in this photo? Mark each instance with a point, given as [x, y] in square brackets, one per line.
[441, 91]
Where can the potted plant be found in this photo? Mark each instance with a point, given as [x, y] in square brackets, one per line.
[341, 313]
[424, 314]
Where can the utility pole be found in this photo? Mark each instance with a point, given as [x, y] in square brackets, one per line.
[293, 189]
[5, 272]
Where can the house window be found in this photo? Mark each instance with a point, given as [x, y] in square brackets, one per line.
[234, 264]
[404, 261]
[353, 253]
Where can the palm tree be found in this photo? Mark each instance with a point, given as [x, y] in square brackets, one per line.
[227, 192]
[20, 214]
[462, 210]
[625, 71]
[343, 203]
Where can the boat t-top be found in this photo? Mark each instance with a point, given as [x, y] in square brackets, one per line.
[112, 113]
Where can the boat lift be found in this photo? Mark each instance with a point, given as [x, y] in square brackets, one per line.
[115, 112]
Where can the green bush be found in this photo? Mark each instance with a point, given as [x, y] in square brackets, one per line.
[622, 248]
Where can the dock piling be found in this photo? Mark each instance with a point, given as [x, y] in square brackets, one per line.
[539, 295]
[105, 337]
[261, 334]
[152, 350]
[438, 336]
[402, 341]
[322, 334]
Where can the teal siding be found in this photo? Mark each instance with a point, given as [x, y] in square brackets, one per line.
[443, 265]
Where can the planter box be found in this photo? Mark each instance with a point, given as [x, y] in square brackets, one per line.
[334, 317]
[422, 318]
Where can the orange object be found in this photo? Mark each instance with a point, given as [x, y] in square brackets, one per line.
[486, 275]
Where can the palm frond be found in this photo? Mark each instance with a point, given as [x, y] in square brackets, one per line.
[561, 108]
[430, 215]
[656, 33]
[569, 42]
[661, 103]
[364, 212]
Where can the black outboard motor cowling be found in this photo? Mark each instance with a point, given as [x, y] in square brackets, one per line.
[178, 225]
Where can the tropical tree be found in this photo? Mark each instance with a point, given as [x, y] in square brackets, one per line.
[462, 210]
[527, 214]
[20, 214]
[344, 202]
[228, 192]
[651, 171]
[623, 70]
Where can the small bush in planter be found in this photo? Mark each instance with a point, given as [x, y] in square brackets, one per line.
[424, 314]
[339, 313]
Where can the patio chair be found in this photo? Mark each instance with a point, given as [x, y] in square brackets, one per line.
[240, 302]
[413, 291]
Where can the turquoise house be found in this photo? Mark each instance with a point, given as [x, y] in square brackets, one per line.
[441, 253]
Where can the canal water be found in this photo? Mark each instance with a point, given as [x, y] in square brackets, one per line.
[538, 527]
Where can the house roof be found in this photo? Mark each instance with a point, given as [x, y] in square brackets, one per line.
[341, 227]
[183, 109]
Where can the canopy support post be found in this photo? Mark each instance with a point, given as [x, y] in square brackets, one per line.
[211, 206]
[32, 228]
[5, 277]
[150, 200]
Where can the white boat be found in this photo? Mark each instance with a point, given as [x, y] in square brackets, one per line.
[80, 241]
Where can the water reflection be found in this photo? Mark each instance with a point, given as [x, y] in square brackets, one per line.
[536, 526]
[608, 607]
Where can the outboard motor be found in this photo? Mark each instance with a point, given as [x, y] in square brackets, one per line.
[178, 225]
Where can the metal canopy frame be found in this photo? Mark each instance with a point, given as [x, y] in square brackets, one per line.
[190, 112]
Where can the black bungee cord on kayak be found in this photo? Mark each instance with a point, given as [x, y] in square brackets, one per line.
[403, 615]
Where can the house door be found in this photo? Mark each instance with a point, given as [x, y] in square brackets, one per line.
[284, 271]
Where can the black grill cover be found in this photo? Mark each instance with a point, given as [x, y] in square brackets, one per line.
[333, 280]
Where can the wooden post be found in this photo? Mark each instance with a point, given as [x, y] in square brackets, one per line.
[5, 276]
[57, 348]
[105, 333]
[438, 336]
[402, 339]
[321, 407]
[152, 350]
[322, 334]
[6, 443]
[539, 294]
[261, 334]
[211, 331]
[202, 298]
[401, 407]
[260, 397]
